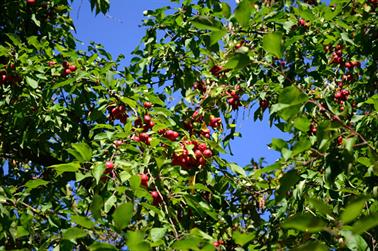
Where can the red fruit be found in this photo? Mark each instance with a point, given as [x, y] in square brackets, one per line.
[198, 154]
[238, 45]
[201, 161]
[66, 64]
[348, 65]
[231, 101]
[264, 104]
[345, 92]
[313, 129]
[143, 137]
[339, 47]
[216, 69]
[72, 68]
[207, 153]
[135, 138]
[202, 147]
[30, 2]
[216, 244]
[356, 64]
[171, 135]
[147, 105]
[338, 95]
[51, 63]
[144, 179]
[66, 72]
[121, 108]
[339, 53]
[147, 119]
[156, 198]
[339, 140]
[301, 22]
[109, 165]
[342, 108]
[214, 122]
[117, 143]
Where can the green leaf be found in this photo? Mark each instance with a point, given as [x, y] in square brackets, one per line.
[109, 203]
[302, 123]
[289, 103]
[33, 83]
[136, 242]
[215, 36]
[320, 206]
[287, 181]
[237, 169]
[207, 23]
[365, 223]
[243, 12]
[305, 222]
[130, 102]
[122, 215]
[31, 184]
[242, 238]
[101, 246]
[134, 182]
[98, 171]
[352, 211]
[189, 243]
[226, 10]
[302, 145]
[83, 221]
[278, 144]
[74, 233]
[312, 246]
[272, 43]
[238, 61]
[96, 206]
[21, 232]
[353, 241]
[67, 167]
[84, 150]
[157, 233]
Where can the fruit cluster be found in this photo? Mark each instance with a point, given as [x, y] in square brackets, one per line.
[189, 161]
[67, 68]
[8, 76]
[169, 134]
[156, 196]
[233, 99]
[118, 112]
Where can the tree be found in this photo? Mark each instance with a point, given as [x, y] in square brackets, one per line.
[95, 157]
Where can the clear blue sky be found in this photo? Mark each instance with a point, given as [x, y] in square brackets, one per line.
[120, 33]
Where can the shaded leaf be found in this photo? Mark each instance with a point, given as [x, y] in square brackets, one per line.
[122, 215]
[305, 222]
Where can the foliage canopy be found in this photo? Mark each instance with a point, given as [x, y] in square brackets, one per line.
[96, 157]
